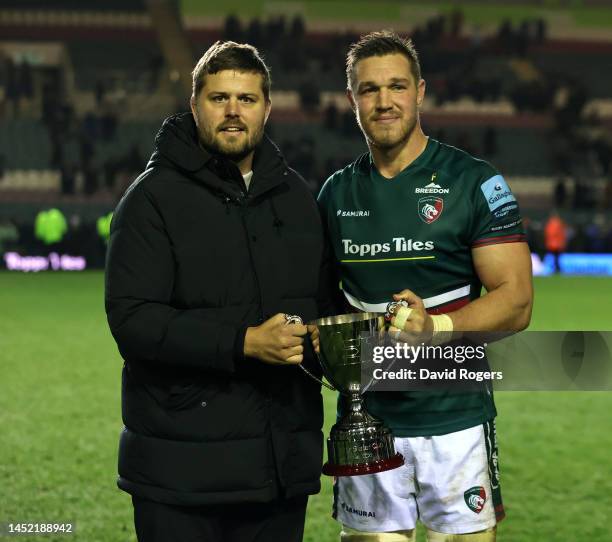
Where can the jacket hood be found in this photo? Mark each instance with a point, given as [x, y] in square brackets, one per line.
[177, 147]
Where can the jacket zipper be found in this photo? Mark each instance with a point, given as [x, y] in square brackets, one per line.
[274, 467]
[243, 206]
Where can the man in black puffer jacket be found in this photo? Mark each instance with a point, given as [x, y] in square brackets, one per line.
[210, 247]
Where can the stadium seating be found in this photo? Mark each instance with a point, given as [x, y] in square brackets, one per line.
[115, 60]
[31, 180]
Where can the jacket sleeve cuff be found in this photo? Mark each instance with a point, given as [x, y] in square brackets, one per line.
[239, 344]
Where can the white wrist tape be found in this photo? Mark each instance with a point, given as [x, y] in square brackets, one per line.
[442, 329]
[401, 317]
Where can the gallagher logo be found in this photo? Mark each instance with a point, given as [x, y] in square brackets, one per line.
[430, 209]
[475, 498]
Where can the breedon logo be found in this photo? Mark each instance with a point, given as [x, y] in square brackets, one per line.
[432, 188]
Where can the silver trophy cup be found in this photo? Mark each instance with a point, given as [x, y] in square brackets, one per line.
[358, 443]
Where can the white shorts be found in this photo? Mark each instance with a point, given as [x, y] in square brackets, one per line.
[448, 482]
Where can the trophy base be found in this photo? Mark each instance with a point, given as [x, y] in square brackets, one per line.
[365, 468]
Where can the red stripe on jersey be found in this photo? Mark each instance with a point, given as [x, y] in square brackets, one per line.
[454, 305]
[516, 238]
[500, 512]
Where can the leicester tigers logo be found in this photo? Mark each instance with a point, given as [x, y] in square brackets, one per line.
[475, 498]
[430, 209]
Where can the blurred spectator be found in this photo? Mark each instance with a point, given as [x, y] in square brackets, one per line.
[464, 142]
[569, 101]
[578, 241]
[156, 65]
[298, 29]
[100, 92]
[303, 157]
[596, 234]
[108, 125]
[521, 39]
[541, 30]
[456, 22]
[90, 126]
[86, 151]
[134, 162]
[310, 97]
[254, 33]
[608, 239]
[440, 135]
[583, 194]
[68, 179]
[25, 84]
[9, 235]
[275, 31]
[560, 194]
[349, 127]
[331, 117]
[555, 237]
[90, 181]
[12, 86]
[233, 29]
[607, 198]
[489, 143]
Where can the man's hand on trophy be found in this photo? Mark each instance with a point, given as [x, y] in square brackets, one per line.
[276, 342]
[314, 337]
[412, 319]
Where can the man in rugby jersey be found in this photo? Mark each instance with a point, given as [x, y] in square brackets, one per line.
[418, 220]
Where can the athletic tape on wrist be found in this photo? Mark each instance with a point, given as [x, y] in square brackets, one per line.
[400, 319]
[442, 329]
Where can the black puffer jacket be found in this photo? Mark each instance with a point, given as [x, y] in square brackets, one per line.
[192, 262]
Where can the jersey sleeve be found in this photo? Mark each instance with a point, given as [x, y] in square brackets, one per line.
[497, 217]
[323, 200]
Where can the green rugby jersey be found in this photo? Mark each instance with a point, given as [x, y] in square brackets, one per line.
[417, 231]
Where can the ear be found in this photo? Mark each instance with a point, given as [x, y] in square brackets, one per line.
[351, 99]
[421, 92]
[268, 109]
[194, 110]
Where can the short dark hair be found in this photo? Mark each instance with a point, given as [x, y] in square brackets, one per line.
[229, 55]
[384, 42]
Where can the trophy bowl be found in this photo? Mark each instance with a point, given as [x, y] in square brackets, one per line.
[359, 443]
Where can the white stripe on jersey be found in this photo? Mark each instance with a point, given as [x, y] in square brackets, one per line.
[441, 299]
[429, 302]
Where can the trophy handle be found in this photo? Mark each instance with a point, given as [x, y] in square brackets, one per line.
[328, 386]
[294, 319]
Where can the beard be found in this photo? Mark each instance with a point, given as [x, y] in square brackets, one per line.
[384, 138]
[234, 148]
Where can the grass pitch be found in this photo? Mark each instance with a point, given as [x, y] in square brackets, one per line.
[60, 419]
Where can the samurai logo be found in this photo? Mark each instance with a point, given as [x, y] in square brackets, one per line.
[475, 498]
[430, 209]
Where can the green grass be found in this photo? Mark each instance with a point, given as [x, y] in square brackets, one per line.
[60, 419]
